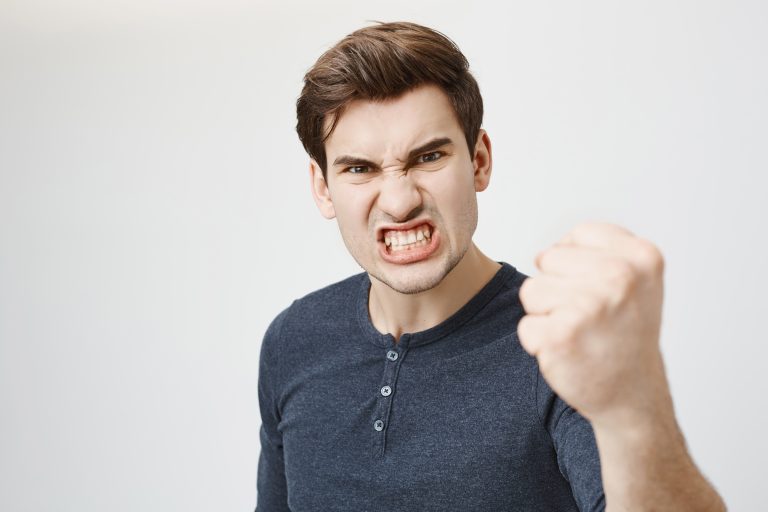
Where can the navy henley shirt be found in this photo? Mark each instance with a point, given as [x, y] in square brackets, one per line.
[455, 417]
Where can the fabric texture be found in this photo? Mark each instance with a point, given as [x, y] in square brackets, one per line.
[456, 417]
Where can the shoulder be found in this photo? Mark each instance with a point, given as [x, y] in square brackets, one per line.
[328, 305]
[513, 280]
[332, 295]
[502, 309]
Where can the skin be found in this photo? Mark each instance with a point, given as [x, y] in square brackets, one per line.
[593, 323]
[439, 186]
[593, 312]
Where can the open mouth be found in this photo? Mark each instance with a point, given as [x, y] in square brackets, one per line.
[397, 240]
[416, 243]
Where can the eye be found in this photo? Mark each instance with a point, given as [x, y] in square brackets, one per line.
[430, 157]
[357, 169]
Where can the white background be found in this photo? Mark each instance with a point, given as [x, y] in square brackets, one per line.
[155, 215]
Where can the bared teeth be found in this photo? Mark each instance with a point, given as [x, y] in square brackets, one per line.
[405, 239]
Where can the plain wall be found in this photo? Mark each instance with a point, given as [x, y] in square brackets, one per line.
[155, 215]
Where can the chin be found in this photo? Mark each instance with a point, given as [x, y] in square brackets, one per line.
[411, 287]
[410, 281]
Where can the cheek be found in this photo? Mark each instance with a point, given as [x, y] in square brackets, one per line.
[353, 210]
[455, 199]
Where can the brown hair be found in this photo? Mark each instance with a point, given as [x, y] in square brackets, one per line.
[381, 62]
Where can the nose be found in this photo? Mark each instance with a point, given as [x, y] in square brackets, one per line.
[399, 196]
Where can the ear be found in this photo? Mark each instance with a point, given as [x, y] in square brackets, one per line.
[482, 161]
[320, 191]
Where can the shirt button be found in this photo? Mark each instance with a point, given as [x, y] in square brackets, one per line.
[392, 355]
[386, 391]
[378, 425]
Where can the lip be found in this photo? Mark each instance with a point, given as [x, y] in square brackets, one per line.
[411, 255]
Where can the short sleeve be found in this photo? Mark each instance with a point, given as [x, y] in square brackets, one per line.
[575, 445]
[272, 494]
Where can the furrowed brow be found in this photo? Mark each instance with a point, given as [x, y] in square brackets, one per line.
[429, 146]
[348, 160]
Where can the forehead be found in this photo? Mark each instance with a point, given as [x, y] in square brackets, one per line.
[391, 127]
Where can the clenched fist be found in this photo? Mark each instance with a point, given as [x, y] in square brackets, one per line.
[593, 321]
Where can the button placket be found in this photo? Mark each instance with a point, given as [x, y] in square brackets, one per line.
[390, 370]
[393, 357]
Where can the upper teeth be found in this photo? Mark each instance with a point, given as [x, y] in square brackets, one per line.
[398, 238]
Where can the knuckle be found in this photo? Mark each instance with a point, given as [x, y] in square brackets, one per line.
[525, 290]
[622, 275]
[581, 229]
[526, 295]
[526, 336]
[650, 257]
[522, 328]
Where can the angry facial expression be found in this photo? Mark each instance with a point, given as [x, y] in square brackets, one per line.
[402, 186]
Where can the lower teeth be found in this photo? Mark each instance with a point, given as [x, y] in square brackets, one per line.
[397, 248]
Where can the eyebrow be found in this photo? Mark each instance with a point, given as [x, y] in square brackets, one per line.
[428, 146]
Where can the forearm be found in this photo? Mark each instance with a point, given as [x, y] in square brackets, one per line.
[646, 466]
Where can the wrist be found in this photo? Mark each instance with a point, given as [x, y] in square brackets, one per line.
[641, 407]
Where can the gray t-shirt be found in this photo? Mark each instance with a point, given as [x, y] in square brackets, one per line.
[456, 417]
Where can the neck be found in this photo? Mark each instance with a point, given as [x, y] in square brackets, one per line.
[397, 313]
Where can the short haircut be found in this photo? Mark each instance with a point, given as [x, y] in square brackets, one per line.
[383, 62]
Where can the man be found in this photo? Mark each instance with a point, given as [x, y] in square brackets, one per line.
[440, 379]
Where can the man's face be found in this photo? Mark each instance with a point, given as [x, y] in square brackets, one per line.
[402, 185]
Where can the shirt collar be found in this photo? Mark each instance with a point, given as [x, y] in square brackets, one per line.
[448, 326]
